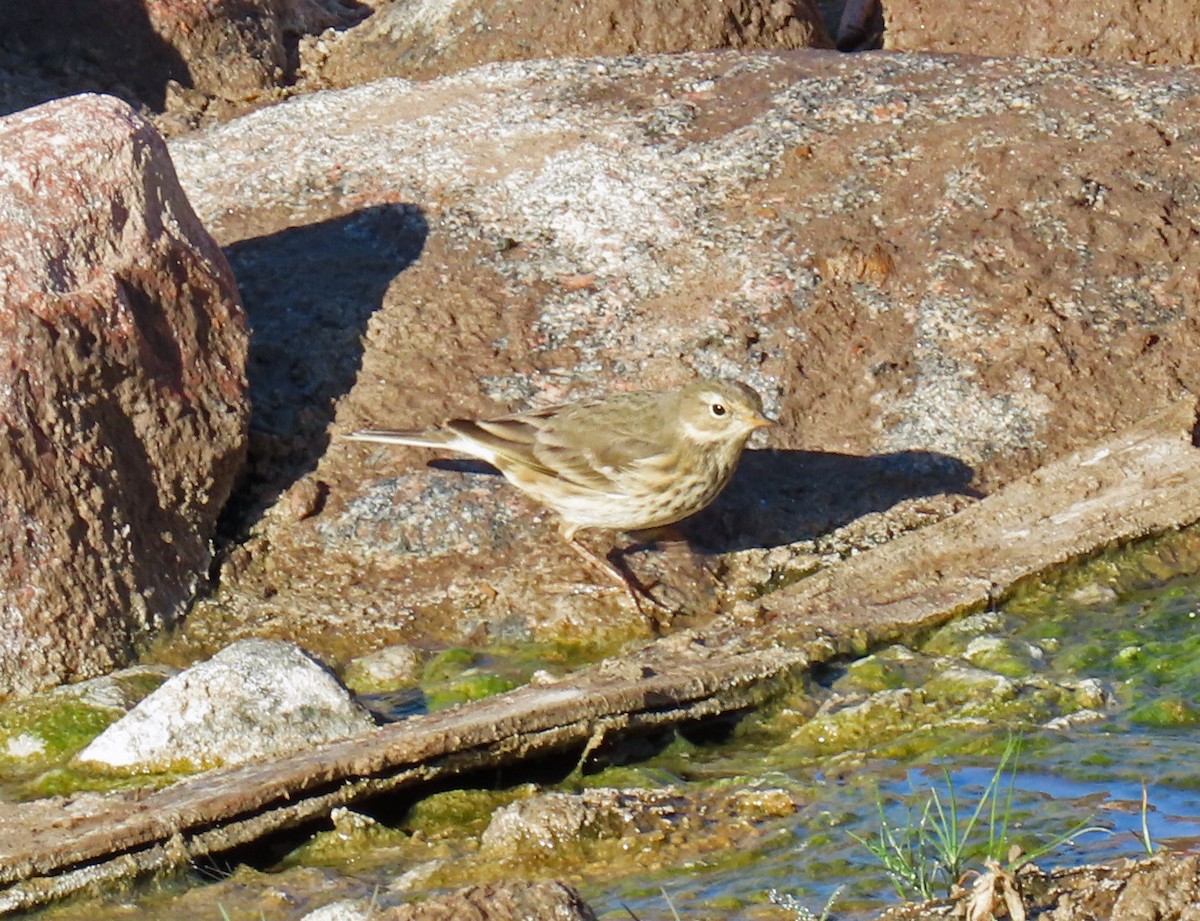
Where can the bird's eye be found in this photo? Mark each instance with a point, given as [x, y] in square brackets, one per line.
[718, 409]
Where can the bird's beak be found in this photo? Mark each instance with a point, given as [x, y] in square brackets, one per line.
[761, 421]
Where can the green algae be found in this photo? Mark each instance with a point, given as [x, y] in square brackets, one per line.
[448, 663]
[900, 702]
[469, 686]
[66, 780]
[459, 674]
[41, 732]
[44, 731]
[954, 638]
[1100, 582]
[460, 812]
[1166, 713]
[889, 669]
[1140, 634]
[353, 834]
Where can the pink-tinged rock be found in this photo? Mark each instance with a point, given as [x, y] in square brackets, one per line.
[122, 390]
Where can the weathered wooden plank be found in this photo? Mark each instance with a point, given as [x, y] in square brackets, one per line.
[1141, 482]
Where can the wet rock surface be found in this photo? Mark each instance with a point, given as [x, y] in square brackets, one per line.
[122, 395]
[649, 819]
[493, 902]
[1142, 482]
[42, 730]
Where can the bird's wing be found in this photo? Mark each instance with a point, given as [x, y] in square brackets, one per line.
[508, 441]
[592, 450]
[571, 442]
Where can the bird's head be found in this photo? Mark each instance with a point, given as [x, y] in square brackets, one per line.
[720, 411]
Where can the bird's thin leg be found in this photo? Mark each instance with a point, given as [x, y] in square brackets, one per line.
[673, 534]
[638, 594]
[602, 563]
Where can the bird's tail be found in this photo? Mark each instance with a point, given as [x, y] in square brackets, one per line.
[434, 438]
[458, 435]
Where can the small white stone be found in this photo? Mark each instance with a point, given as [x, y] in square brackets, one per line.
[252, 700]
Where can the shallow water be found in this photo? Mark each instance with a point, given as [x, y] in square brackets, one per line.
[1129, 620]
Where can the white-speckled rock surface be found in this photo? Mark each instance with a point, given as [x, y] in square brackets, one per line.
[253, 700]
[935, 270]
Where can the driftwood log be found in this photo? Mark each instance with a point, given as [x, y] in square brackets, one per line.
[1142, 482]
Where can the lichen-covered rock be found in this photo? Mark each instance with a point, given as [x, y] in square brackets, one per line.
[384, 670]
[122, 390]
[549, 824]
[47, 728]
[423, 40]
[254, 699]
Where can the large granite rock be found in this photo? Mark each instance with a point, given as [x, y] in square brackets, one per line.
[192, 56]
[189, 61]
[122, 390]
[933, 269]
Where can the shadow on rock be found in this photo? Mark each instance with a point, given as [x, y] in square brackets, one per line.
[309, 292]
[61, 47]
[135, 51]
[779, 497]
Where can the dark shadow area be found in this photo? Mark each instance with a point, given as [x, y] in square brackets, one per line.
[464, 465]
[261, 854]
[393, 810]
[394, 706]
[621, 749]
[309, 292]
[54, 48]
[715, 730]
[338, 15]
[861, 26]
[778, 497]
[624, 749]
[854, 25]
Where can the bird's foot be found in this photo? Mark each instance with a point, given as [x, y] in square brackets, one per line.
[647, 605]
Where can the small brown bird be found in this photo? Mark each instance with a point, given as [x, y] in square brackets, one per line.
[622, 462]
